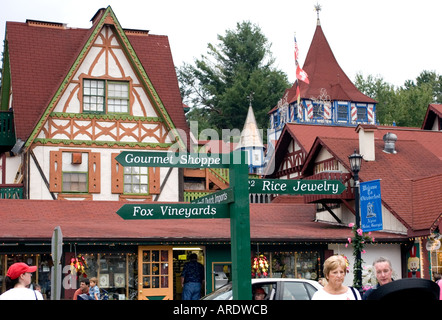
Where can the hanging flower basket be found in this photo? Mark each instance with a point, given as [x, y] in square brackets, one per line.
[260, 266]
[79, 265]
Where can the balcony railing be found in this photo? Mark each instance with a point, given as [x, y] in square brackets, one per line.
[192, 195]
[11, 191]
[345, 178]
[7, 133]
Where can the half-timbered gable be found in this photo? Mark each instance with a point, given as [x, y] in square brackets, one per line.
[102, 90]
[294, 145]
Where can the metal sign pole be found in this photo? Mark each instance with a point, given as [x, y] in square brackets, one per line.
[240, 227]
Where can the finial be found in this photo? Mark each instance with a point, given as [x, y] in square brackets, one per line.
[250, 98]
[317, 9]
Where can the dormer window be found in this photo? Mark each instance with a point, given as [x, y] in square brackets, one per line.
[105, 96]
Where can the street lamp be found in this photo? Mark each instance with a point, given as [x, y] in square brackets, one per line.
[355, 165]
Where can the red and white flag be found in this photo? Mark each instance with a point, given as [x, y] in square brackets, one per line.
[301, 74]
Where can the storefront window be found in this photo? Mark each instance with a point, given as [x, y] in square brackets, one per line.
[294, 265]
[40, 277]
[115, 273]
[436, 261]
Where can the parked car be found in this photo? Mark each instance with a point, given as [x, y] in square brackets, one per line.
[275, 289]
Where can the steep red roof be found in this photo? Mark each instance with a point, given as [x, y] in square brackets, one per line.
[35, 220]
[40, 58]
[305, 135]
[324, 72]
[405, 177]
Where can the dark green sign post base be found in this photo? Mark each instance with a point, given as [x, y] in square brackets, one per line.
[240, 228]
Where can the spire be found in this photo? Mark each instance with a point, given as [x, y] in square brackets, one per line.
[325, 73]
[317, 9]
[250, 135]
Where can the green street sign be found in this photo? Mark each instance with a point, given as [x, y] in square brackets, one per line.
[222, 196]
[278, 186]
[173, 211]
[172, 159]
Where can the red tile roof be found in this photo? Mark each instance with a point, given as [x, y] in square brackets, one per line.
[35, 220]
[40, 58]
[405, 177]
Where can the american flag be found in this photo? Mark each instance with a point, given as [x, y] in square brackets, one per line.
[296, 50]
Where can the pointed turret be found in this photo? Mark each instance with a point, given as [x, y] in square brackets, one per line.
[322, 94]
[324, 72]
[251, 141]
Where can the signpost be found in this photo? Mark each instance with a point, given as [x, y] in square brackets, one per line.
[279, 186]
[173, 211]
[172, 159]
[56, 251]
[222, 196]
[232, 202]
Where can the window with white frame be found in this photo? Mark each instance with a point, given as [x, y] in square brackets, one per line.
[105, 96]
[75, 172]
[136, 180]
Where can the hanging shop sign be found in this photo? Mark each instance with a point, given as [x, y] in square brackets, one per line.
[370, 204]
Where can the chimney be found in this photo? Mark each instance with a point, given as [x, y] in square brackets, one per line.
[98, 15]
[390, 143]
[366, 141]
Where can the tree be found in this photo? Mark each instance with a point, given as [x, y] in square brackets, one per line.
[218, 86]
[405, 105]
[383, 93]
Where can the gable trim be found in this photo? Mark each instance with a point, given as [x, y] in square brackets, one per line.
[107, 18]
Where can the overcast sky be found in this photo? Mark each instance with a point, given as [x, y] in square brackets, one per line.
[393, 39]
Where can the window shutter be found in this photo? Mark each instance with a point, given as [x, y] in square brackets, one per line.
[55, 173]
[154, 180]
[94, 172]
[117, 175]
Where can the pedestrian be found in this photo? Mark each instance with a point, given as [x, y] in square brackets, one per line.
[94, 290]
[335, 269]
[84, 289]
[18, 279]
[438, 280]
[192, 278]
[384, 271]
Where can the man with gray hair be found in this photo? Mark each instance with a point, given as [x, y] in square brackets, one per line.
[383, 269]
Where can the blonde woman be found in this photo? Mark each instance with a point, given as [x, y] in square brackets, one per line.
[334, 271]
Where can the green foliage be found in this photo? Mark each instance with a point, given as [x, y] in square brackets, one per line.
[405, 105]
[217, 85]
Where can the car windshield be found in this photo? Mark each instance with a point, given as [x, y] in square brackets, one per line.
[223, 293]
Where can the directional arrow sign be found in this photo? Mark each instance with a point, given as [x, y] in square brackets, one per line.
[172, 159]
[173, 211]
[222, 196]
[278, 186]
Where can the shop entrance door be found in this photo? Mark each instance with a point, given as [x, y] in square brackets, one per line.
[155, 273]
